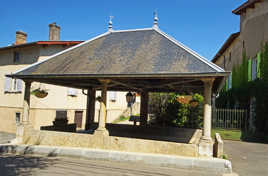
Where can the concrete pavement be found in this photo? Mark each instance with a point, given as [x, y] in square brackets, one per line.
[25, 165]
[214, 165]
[248, 159]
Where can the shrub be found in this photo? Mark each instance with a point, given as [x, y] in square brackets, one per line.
[175, 110]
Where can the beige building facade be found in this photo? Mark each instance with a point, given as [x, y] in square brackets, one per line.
[251, 38]
[43, 110]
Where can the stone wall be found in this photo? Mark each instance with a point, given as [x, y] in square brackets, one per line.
[255, 34]
[52, 138]
[8, 119]
[254, 28]
[218, 146]
[232, 56]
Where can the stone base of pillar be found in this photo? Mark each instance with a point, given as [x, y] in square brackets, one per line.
[205, 147]
[101, 132]
[21, 128]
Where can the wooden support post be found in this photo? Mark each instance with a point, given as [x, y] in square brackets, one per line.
[144, 108]
[26, 103]
[90, 114]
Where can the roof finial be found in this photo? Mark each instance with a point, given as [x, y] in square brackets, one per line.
[155, 19]
[110, 27]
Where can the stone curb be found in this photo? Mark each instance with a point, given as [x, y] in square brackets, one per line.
[212, 164]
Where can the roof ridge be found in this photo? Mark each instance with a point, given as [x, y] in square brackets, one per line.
[132, 30]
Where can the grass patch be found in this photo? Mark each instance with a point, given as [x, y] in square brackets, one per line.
[227, 134]
[120, 119]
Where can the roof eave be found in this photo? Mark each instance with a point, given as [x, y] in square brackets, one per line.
[42, 43]
[145, 75]
[241, 9]
[226, 45]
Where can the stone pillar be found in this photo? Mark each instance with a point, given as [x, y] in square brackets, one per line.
[26, 103]
[90, 114]
[208, 83]
[104, 98]
[144, 108]
[25, 125]
[102, 116]
[206, 144]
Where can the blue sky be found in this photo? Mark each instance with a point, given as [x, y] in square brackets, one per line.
[201, 25]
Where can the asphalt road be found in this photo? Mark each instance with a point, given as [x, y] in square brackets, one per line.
[248, 159]
[11, 165]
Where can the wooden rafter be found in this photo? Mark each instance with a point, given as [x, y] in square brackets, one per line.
[126, 85]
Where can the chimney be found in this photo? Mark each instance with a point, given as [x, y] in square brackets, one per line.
[20, 37]
[54, 32]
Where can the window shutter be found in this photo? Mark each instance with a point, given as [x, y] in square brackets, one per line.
[72, 92]
[259, 65]
[249, 69]
[226, 84]
[19, 85]
[230, 80]
[254, 69]
[7, 87]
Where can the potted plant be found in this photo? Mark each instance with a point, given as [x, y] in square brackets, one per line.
[40, 93]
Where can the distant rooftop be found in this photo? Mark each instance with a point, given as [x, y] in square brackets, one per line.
[249, 4]
[67, 43]
[226, 45]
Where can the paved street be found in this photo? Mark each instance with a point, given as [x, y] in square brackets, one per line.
[11, 165]
[248, 159]
[5, 137]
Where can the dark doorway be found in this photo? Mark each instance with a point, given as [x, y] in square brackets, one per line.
[78, 118]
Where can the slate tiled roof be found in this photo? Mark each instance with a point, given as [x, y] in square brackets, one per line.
[133, 52]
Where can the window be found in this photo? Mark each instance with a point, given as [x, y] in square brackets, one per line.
[258, 65]
[78, 117]
[230, 57]
[229, 82]
[17, 117]
[72, 92]
[112, 96]
[61, 114]
[13, 85]
[224, 62]
[16, 57]
[254, 69]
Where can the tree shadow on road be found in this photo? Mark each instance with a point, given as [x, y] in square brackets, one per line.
[22, 165]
